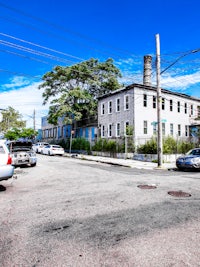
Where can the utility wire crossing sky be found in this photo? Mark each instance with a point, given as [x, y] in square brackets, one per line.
[36, 36]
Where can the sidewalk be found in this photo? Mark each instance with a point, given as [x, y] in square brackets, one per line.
[125, 162]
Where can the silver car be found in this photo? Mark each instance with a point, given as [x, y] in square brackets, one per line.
[6, 169]
[22, 153]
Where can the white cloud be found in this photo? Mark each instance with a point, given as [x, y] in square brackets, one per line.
[180, 82]
[16, 82]
[26, 100]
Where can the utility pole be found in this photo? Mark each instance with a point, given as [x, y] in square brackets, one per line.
[159, 103]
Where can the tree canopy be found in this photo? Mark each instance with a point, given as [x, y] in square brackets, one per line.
[16, 133]
[73, 90]
[11, 119]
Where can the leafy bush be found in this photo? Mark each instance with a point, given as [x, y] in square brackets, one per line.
[80, 144]
[184, 147]
[170, 146]
[150, 147]
[118, 146]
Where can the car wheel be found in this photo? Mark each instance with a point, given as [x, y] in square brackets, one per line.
[33, 165]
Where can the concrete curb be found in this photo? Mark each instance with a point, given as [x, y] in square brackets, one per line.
[124, 162]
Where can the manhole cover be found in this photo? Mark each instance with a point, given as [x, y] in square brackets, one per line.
[146, 186]
[179, 194]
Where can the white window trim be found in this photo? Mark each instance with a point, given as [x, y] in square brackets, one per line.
[145, 101]
[109, 127]
[118, 123]
[102, 131]
[102, 104]
[117, 104]
[145, 122]
[128, 102]
[125, 125]
[110, 101]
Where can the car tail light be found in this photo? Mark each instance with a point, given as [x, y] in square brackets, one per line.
[9, 160]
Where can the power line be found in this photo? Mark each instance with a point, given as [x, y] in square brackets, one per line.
[64, 28]
[36, 52]
[40, 46]
[20, 74]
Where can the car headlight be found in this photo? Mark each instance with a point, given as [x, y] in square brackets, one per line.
[180, 160]
[32, 154]
[195, 160]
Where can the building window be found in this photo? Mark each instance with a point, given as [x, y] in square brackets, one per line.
[145, 127]
[126, 100]
[117, 104]
[109, 107]
[102, 109]
[154, 128]
[109, 130]
[154, 101]
[171, 105]
[198, 111]
[185, 108]
[163, 128]
[126, 127]
[178, 106]
[63, 131]
[191, 110]
[118, 129]
[50, 132]
[186, 130]
[179, 130]
[55, 132]
[171, 129]
[145, 100]
[59, 132]
[102, 131]
[163, 103]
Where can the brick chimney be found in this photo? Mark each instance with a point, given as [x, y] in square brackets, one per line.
[147, 70]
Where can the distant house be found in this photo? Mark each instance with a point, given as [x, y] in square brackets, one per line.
[136, 106]
[85, 128]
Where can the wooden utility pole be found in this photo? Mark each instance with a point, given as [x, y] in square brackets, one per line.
[159, 103]
[34, 119]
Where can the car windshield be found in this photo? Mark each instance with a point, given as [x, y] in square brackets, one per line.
[194, 152]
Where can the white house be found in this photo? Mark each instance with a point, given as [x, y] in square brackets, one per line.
[136, 105]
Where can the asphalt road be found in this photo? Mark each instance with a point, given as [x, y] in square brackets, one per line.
[71, 212]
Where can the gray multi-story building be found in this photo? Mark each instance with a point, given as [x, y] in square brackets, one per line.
[136, 106]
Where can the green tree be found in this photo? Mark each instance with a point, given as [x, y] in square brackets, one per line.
[11, 119]
[16, 133]
[72, 91]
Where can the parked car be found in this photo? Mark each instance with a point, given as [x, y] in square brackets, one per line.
[52, 150]
[22, 153]
[189, 161]
[39, 146]
[6, 169]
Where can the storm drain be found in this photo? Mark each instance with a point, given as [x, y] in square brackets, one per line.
[146, 186]
[179, 194]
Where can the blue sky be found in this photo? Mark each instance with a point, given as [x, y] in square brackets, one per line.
[37, 35]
